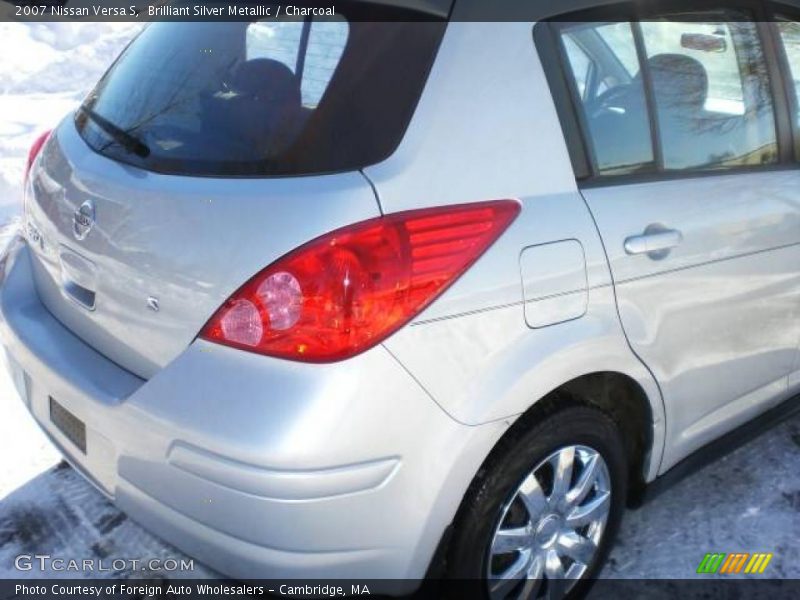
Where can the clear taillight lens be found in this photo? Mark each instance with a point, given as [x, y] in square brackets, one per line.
[348, 290]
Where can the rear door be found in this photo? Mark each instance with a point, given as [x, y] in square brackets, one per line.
[699, 216]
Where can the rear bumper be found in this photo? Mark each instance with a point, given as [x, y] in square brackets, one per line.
[260, 468]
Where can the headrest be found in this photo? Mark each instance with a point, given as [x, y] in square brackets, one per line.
[680, 82]
[269, 80]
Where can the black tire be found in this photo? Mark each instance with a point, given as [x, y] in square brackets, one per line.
[526, 445]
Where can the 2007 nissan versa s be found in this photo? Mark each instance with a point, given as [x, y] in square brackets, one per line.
[331, 298]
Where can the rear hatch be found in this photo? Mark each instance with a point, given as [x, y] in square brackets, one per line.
[206, 152]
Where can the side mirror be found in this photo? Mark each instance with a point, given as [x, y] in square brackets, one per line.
[703, 42]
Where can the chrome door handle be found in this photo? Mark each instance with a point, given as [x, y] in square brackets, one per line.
[656, 242]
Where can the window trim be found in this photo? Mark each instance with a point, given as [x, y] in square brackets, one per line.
[650, 101]
[572, 119]
[774, 10]
[568, 113]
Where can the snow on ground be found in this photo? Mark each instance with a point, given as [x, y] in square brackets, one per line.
[748, 502]
[45, 70]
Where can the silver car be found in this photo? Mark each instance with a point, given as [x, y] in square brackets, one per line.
[335, 298]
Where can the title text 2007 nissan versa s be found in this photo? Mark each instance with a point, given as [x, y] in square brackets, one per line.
[332, 298]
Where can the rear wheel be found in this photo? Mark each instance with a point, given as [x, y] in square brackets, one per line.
[543, 511]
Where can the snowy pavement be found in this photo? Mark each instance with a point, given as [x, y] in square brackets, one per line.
[747, 502]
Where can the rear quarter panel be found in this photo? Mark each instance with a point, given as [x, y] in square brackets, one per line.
[486, 128]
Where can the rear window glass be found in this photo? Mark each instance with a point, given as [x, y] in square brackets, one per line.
[282, 42]
[262, 98]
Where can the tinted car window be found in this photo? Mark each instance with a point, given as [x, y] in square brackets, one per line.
[261, 98]
[582, 66]
[615, 109]
[711, 93]
[282, 41]
[618, 38]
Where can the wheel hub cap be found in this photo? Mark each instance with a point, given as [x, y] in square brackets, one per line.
[550, 528]
[547, 531]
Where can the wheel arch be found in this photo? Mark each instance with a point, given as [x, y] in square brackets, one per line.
[622, 397]
[626, 402]
[618, 396]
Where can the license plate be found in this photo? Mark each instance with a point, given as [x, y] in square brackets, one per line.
[68, 424]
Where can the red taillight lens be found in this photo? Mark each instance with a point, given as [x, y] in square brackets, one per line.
[36, 147]
[348, 290]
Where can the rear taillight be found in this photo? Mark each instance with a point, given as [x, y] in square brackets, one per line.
[36, 147]
[348, 290]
